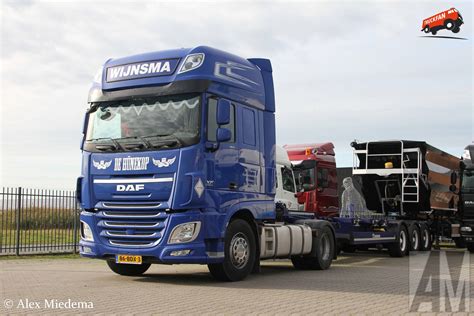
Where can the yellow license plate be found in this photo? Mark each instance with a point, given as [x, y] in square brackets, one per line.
[128, 259]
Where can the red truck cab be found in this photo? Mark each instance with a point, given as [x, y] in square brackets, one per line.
[317, 185]
[450, 19]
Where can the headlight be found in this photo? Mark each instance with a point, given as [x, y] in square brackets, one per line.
[191, 62]
[183, 233]
[466, 229]
[86, 232]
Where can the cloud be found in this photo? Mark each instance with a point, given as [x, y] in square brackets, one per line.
[342, 70]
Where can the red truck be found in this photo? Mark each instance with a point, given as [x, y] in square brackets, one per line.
[450, 19]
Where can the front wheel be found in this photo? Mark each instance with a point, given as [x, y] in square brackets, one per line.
[239, 253]
[400, 247]
[128, 269]
[322, 252]
[426, 29]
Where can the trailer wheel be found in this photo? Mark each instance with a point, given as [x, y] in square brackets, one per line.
[470, 247]
[449, 24]
[322, 252]
[426, 29]
[414, 238]
[128, 269]
[400, 247]
[239, 253]
[425, 238]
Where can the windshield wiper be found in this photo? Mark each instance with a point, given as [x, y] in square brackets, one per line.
[141, 139]
[163, 142]
[116, 145]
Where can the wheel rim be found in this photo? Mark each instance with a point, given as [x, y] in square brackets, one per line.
[325, 247]
[403, 240]
[239, 250]
[415, 239]
[449, 25]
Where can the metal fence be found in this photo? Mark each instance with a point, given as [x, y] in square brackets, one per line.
[38, 221]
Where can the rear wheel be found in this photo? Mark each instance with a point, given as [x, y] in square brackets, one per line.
[434, 32]
[456, 29]
[128, 269]
[322, 252]
[414, 238]
[425, 238]
[239, 253]
[400, 247]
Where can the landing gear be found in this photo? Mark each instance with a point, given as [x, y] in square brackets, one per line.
[239, 253]
[400, 247]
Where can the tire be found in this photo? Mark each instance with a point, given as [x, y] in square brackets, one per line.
[128, 269]
[425, 238]
[401, 246]
[414, 238]
[322, 252]
[239, 253]
[449, 24]
[470, 247]
[434, 32]
[456, 29]
[460, 242]
[426, 29]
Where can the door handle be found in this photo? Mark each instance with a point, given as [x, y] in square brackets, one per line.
[232, 185]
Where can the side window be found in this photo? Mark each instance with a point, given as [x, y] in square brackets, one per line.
[248, 127]
[287, 179]
[323, 177]
[212, 124]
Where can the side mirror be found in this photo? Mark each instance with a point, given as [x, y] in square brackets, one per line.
[301, 197]
[223, 112]
[223, 135]
[454, 178]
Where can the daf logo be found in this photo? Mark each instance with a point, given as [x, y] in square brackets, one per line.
[469, 202]
[130, 187]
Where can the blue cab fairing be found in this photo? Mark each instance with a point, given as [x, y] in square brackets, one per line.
[133, 199]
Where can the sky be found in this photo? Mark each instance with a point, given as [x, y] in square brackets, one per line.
[343, 70]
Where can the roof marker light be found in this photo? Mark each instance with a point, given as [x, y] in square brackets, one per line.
[191, 62]
[308, 151]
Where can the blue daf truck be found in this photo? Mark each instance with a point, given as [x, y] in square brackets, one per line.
[178, 166]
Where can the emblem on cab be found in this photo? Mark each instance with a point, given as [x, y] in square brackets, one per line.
[163, 162]
[102, 164]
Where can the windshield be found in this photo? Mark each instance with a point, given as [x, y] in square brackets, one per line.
[304, 179]
[144, 123]
[468, 181]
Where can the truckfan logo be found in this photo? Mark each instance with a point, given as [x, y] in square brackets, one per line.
[450, 20]
[102, 164]
[163, 162]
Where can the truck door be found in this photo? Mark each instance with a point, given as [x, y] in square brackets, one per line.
[249, 150]
[221, 163]
[326, 196]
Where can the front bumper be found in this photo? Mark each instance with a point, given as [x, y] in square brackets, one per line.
[207, 248]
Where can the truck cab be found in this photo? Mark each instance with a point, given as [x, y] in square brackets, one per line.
[285, 184]
[315, 173]
[178, 166]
